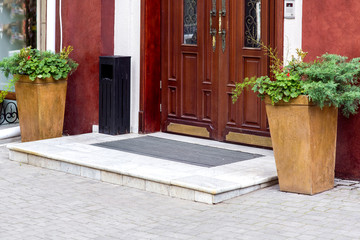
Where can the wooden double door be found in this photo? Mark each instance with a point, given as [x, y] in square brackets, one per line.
[208, 46]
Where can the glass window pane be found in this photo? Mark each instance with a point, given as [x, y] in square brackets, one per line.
[17, 28]
[190, 21]
[252, 23]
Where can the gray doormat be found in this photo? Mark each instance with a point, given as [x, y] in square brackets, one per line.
[178, 151]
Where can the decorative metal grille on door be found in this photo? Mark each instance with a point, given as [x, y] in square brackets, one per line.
[190, 22]
[252, 23]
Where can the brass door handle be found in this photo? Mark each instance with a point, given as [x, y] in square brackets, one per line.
[213, 34]
[222, 12]
[223, 38]
[213, 30]
[222, 32]
[213, 10]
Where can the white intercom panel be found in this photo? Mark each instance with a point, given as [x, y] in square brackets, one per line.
[289, 9]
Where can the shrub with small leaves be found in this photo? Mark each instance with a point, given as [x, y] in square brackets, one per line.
[332, 80]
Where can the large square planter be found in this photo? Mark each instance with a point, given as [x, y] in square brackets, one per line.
[304, 143]
[41, 106]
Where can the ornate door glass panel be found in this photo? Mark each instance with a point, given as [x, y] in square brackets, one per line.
[252, 23]
[190, 21]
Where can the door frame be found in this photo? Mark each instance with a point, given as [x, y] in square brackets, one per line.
[150, 59]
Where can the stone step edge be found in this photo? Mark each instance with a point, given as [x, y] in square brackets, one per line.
[174, 182]
[150, 185]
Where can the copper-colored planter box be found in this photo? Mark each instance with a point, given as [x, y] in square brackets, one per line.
[304, 142]
[41, 107]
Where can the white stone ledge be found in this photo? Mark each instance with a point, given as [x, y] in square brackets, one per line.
[182, 182]
[76, 156]
[177, 189]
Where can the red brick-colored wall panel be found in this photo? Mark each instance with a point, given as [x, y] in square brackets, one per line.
[89, 27]
[332, 26]
[107, 27]
[348, 148]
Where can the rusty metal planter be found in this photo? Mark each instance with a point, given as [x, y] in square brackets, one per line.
[41, 106]
[304, 142]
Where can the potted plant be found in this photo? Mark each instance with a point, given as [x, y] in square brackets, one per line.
[40, 79]
[302, 102]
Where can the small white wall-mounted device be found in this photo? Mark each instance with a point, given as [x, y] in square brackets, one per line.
[289, 9]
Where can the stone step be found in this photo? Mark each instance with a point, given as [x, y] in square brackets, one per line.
[75, 155]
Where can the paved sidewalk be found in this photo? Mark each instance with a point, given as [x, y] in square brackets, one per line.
[38, 203]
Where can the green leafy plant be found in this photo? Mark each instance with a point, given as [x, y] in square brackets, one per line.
[37, 64]
[287, 82]
[331, 80]
[286, 86]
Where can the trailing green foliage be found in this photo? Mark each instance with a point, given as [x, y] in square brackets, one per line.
[286, 86]
[37, 64]
[288, 83]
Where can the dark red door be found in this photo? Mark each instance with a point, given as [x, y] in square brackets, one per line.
[206, 48]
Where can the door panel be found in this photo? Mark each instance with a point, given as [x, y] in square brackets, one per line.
[248, 19]
[189, 89]
[187, 66]
[205, 51]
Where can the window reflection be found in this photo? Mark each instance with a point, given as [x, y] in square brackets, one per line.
[17, 27]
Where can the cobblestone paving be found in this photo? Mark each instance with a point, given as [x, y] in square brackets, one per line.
[38, 203]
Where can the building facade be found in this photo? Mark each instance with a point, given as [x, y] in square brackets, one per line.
[187, 55]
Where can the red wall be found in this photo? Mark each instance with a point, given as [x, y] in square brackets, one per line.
[89, 27]
[333, 26]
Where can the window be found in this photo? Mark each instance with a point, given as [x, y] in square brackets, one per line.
[19, 22]
[190, 21]
[252, 23]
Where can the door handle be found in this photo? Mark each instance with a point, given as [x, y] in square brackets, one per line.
[213, 10]
[222, 12]
[222, 32]
[213, 30]
[223, 38]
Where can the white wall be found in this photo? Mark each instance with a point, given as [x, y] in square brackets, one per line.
[51, 20]
[127, 43]
[293, 33]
